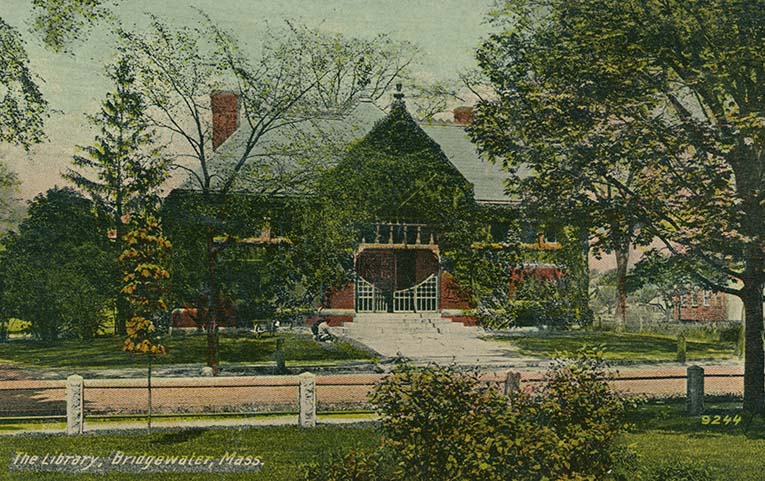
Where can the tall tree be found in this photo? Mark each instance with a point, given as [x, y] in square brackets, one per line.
[280, 90]
[345, 68]
[61, 22]
[682, 82]
[59, 266]
[124, 168]
[10, 205]
[564, 136]
[22, 106]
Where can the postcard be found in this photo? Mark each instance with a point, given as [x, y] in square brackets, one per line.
[382, 241]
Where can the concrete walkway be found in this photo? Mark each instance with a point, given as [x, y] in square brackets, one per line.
[428, 338]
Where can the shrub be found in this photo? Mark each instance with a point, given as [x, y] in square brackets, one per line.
[432, 417]
[680, 470]
[357, 465]
[730, 334]
[535, 302]
[681, 349]
[577, 409]
[741, 341]
[441, 424]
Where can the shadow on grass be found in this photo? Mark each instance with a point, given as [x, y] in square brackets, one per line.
[187, 349]
[626, 346]
[179, 437]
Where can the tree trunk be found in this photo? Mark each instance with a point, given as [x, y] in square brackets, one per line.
[583, 275]
[122, 305]
[622, 259]
[148, 382]
[212, 303]
[754, 355]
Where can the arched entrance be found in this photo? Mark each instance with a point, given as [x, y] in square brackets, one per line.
[397, 280]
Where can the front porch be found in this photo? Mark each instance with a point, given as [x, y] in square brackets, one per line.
[398, 271]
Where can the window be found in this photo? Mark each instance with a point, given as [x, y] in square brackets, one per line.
[551, 235]
[683, 300]
[529, 234]
[499, 231]
[707, 298]
[694, 298]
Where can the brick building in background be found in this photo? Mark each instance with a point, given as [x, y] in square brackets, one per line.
[701, 305]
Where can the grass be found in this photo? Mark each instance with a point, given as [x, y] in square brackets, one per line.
[627, 347]
[16, 326]
[9, 425]
[105, 352]
[663, 433]
[282, 449]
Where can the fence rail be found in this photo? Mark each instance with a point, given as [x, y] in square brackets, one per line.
[306, 395]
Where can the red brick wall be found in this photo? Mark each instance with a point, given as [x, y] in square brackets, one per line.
[426, 264]
[225, 115]
[337, 321]
[542, 273]
[343, 298]
[463, 115]
[465, 320]
[188, 317]
[452, 295]
[716, 311]
[334, 320]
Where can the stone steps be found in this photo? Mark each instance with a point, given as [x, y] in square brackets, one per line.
[421, 337]
[423, 325]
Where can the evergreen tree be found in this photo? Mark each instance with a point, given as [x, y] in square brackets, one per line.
[124, 167]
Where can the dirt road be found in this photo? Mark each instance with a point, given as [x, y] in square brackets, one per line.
[30, 397]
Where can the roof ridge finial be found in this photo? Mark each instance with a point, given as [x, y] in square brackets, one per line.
[399, 95]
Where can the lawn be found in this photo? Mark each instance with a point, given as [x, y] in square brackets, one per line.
[625, 347]
[105, 352]
[282, 449]
[663, 433]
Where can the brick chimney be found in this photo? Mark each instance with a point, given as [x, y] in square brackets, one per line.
[225, 115]
[463, 115]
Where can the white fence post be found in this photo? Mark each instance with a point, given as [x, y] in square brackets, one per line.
[75, 405]
[307, 400]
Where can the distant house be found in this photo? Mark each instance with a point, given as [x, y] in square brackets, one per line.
[695, 304]
[398, 265]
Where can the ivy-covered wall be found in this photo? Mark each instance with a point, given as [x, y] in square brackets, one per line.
[396, 173]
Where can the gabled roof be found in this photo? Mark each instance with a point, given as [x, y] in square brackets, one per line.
[354, 125]
[486, 178]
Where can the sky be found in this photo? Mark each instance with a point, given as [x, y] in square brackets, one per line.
[447, 32]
